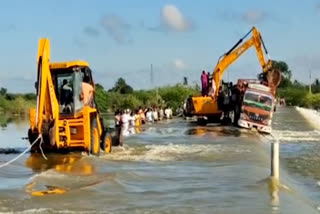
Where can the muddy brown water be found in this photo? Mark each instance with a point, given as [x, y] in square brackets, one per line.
[171, 167]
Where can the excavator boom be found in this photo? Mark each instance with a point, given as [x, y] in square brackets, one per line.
[236, 51]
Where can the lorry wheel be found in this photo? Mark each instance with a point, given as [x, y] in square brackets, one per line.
[236, 115]
[202, 122]
[106, 143]
[95, 139]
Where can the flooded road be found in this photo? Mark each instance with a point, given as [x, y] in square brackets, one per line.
[171, 167]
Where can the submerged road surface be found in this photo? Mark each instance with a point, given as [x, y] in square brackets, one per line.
[171, 167]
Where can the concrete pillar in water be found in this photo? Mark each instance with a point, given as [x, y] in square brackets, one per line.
[274, 180]
[275, 160]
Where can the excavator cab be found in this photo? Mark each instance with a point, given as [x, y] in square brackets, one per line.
[66, 116]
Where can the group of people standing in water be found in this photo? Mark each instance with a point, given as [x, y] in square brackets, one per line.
[128, 122]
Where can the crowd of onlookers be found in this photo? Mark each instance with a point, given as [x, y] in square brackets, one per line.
[129, 121]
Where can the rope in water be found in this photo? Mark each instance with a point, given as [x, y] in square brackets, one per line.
[42, 150]
[25, 151]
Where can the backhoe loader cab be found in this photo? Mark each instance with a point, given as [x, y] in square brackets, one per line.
[62, 120]
[67, 83]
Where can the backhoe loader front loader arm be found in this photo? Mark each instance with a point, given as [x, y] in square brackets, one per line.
[236, 51]
[47, 110]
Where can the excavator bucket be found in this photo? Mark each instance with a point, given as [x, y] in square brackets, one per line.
[274, 79]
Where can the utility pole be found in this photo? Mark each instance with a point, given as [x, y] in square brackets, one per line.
[152, 82]
[151, 75]
[310, 92]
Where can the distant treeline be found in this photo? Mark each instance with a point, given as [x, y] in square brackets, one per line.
[16, 103]
[295, 92]
[121, 96]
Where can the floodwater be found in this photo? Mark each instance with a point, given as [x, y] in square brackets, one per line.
[171, 167]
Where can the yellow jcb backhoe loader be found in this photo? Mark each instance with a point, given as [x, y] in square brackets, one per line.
[61, 120]
[206, 108]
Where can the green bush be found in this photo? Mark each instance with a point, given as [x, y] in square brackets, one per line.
[312, 101]
[174, 96]
[17, 105]
[130, 102]
[294, 96]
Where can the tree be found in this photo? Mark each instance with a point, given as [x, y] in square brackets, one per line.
[185, 80]
[3, 91]
[285, 72]
[122, 87]
[283, 67]
[98, 86]
[315, 86]
[101, 98]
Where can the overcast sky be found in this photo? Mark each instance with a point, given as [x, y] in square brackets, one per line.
[179, 37]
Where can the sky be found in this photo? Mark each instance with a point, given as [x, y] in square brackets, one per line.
[178, 37]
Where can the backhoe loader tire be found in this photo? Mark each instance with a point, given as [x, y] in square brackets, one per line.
[95, 138]
[32, 137]
[106, 143]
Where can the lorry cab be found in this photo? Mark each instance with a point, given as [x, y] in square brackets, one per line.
[257, 108]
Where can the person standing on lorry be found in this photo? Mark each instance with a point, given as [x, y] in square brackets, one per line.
[204, 83]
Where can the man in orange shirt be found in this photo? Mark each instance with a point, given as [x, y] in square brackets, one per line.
[87, 92]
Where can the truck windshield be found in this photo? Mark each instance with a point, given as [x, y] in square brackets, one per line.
[257, 100]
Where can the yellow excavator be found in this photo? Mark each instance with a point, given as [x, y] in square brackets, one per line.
[206, 108]
[64, 119]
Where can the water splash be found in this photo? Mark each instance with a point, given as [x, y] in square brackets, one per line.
[174, 152]
[312, 116]
[301, 136]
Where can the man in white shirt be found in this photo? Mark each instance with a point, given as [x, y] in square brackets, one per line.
[125, 122]
[149, 116]
[155, 114]
[168, 113]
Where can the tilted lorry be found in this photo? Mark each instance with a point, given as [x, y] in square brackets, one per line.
[207, 108]
[254, 106]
